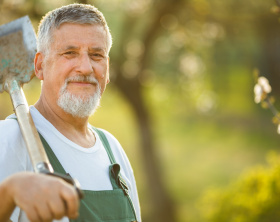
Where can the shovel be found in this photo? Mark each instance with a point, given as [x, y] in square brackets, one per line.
[17, 51]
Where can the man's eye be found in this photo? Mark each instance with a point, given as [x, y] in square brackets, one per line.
[96, 55]
[70, 53]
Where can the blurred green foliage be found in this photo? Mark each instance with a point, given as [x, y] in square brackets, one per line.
[254, 197]
[198, 87]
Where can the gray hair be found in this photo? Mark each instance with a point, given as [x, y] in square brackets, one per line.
[73, 13]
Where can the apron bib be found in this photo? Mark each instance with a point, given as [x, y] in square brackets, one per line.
[101, 206]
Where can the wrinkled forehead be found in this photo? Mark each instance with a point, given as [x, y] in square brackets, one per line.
[69, 34]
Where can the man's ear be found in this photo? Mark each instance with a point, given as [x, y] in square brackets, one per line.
[108, 80]
[108, 73]
[38, 65]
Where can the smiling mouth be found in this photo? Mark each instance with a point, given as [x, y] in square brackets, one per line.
[82, 83]
[81, 86]
[82, 80]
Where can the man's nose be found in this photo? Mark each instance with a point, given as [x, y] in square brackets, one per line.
[85, 64]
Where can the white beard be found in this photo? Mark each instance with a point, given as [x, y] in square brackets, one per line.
[79, 105]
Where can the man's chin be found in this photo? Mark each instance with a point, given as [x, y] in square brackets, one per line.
[78, 106]
[80, 110]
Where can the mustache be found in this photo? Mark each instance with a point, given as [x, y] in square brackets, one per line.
[82, 78]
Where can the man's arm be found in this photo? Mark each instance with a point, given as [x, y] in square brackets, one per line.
[41, 197]
[6, 202]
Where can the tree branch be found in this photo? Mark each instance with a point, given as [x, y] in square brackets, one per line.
[162, 8]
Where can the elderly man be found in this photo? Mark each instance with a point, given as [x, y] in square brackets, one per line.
[73, 63]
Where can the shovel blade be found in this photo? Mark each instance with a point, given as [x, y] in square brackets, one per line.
[17, 51]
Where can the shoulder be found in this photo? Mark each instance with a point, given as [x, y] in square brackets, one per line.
[9, 127]
[111, 139]
[118, 151]
[10, 136]
[14, 156]
[115, 145]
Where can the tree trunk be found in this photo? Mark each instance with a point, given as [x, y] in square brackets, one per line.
[162, 205]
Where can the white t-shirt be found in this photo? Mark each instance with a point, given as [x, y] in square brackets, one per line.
[90, 166]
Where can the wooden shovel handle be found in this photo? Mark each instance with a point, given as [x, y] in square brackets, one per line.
[29, 132]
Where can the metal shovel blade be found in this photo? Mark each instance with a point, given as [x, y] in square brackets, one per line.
[17, 51]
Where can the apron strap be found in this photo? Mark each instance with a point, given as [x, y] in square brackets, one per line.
[52, 157]
[121, 182]
[115, 168]
[105, 144]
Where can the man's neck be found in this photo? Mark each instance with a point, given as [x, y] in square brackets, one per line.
[75, 129]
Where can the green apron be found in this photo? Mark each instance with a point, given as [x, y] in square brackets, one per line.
[100, 206]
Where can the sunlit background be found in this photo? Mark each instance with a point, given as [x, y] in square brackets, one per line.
[181, 102]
